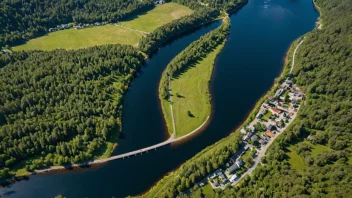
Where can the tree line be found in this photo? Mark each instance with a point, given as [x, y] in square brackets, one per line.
[193, 53]
[62, 106]
[203, 13]
[322, 71]
[21, 20]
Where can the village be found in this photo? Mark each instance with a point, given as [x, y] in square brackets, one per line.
[274, 116]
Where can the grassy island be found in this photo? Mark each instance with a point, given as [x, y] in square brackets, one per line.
[190, 73]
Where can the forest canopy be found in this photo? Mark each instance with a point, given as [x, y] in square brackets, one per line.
[61, 106]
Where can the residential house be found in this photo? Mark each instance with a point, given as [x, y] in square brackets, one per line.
[275, 111]
[271, 127]
[262, 142]
[254, 138]
[233, 178]
[269, 133]
[239, 163]
[5, 52]
[243, 131]
[246, 137]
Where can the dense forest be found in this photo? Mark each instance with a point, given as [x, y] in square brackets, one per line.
[61, 106]
[202, 14]
[321, 135]
[21, 20]
[193, 53]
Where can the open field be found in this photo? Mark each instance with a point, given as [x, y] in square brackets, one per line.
[297, 162]
[191, 93]
[75, 39]
[157, 17]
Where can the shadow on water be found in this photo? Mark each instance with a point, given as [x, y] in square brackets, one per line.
[260, 35]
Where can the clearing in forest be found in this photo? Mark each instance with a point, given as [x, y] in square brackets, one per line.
[157, 17]
[82, 38]
[129, 34]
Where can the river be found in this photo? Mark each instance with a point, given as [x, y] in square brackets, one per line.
[261, 33]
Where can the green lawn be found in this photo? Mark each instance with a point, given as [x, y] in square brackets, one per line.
[74, 39]
[193, 89]
[267, 116]
[297, 162]
[207, 189]
[157, 17]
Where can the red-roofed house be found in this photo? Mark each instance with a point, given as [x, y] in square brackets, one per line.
[269, 133]
[274, 111]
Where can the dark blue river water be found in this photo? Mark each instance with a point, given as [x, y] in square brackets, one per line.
[253, 57]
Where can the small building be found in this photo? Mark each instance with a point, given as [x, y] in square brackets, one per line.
[271, 99]
[271, 127]
[233, 178]
[232, 168]
[269, 133]
[216, 183]
[310, 138]
[275, 111]
[5, 52]
[239, 163]
[254, 138]
[243, 131]
[246, 137]
[262, 142]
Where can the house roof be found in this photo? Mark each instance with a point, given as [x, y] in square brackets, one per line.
[275, 110]
[232, 168]
[271, 127]
[254, 138]
[269, 133]
[239, 162]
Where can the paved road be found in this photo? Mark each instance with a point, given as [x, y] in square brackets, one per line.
[263, 150]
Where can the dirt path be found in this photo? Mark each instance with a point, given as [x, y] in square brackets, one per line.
[294, 54]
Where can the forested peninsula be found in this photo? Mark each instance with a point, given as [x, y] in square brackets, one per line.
[312, 158]
[62, 106]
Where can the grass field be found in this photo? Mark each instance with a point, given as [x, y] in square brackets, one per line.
[297, 162]
[157, 17]
[74, 39]
[192, 88]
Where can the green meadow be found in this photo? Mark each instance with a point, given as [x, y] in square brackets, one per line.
[191, 97]
[157, 17]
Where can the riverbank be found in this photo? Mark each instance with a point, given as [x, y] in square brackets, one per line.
[184, 85]
[191, 99]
